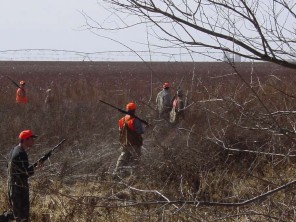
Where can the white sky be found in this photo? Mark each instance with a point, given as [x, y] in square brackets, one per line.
[42, 24]
[56, 25]
[53, 24]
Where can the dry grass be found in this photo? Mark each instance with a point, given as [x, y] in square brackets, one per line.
[195, 161]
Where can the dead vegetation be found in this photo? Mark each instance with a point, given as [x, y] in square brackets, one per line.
[221, 164]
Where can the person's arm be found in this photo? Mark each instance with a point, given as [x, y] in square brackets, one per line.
[21, 92]
[29, 170]
[138, 126]
[157, 98]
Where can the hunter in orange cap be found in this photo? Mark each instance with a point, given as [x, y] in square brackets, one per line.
[164, 101]
[166, 85]
[19, 170]
[130, 106]
[21, 95]
[130, 138]
[26, 134]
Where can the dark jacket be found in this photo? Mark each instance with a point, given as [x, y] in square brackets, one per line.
[18, 167]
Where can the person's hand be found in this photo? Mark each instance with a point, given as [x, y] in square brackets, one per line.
[39, 165]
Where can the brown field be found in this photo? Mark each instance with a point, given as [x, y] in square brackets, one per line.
[237, 141]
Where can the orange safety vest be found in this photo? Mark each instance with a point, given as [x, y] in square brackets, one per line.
[127, 134]
[21, 98]
[129, 121]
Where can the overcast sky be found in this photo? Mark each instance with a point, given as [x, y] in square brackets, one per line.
[55, 24]
[43, 24]
[58, 25]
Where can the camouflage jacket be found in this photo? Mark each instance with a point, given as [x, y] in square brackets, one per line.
[163, 101]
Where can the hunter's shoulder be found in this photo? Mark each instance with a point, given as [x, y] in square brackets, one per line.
[18, 151]
[160, 93]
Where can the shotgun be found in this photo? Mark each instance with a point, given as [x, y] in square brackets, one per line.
[47, 155]
[125, 112]
[13, 82]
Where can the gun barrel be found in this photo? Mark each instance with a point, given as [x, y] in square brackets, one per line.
[48, 154]
[60, 143]
[14, 83]
[179, 86]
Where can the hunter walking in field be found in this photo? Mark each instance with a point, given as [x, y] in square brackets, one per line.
[21, 96]
[163, 101]
[18, 173]
[130, 138]
[177, 112]
[49, 99]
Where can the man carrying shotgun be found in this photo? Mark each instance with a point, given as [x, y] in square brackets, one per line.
[130, 138]
[164, 102]
[21, 96]
[19, 171]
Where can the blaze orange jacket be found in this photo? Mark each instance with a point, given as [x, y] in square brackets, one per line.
[129, 121]
[128, 135]
[21, 96]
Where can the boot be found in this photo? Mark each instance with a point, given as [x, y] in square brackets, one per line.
[6, 216]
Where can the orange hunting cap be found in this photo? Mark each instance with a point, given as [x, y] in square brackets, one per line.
[26, 134]
[130, 106]
[166, 85]
[22, 82]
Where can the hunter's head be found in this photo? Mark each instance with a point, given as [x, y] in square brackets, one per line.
[166, 85]
[131, 108]
[22, 83]
[27, 138]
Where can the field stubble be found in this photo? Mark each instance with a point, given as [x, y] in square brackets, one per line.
[220, 153]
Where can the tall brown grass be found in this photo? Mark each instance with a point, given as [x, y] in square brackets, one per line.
[220, 153]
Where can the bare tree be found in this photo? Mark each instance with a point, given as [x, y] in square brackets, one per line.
[257, 29]
[227, 118]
